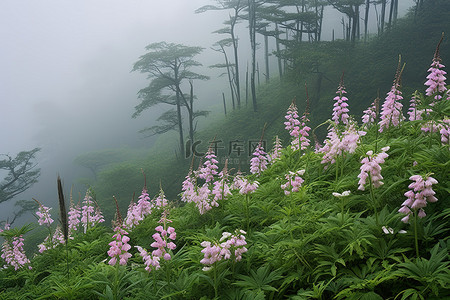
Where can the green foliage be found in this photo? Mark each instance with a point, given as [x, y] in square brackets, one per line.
[305, 245]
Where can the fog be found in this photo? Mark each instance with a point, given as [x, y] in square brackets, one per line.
[65, 80]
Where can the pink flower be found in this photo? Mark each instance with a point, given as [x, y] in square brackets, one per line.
[144, 206]
[13, 253]
[371, 167]
[90, 216]
[370, 114]
[294, 182]
[74, 217]
[340, 110]
[259, 161]
[413, 112]
[44, 215]
[276, 151]
[119, 247]
[304, 129]
[209, 169]
[436, 78]
[391, 110]
[51, 242]
[228, 246]
[338, 143]
[292, 124]
[419, 194]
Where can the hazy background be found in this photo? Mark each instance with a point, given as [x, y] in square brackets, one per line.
[65, 81]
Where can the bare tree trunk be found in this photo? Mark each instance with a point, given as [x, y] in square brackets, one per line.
[320, 22]
[277, 43]
[236, 64]
[224, 104]
[266, 54]
[252, 29]
[180, 124]
[391, 10]
[246, 87]
[191, 112]
[383, 13]
[366, 20]
[230, 78]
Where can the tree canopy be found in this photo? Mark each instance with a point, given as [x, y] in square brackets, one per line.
[21, 174]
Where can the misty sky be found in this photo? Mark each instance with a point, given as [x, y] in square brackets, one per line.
[65, 81]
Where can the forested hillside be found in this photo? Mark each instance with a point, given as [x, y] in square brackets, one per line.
[335, 187]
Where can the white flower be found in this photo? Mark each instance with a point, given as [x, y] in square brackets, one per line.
[344, 194]
[387, 230]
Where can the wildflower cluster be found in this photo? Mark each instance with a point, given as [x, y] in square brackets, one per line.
[44, 215]
[294, 182]
[391, 110]
[12, 251]
[229, 246]
[297, 129]
[244, 185]
[276, 151]
[119, 247]
[163, 243]
[74, 217]
[371, 168]
[292, 125]
[90, 216]
[51, 241]
[436, 78]
[215, 187]
[259, 161]
[370, 114]
[340, 110]
[338, 143]
[419, 194]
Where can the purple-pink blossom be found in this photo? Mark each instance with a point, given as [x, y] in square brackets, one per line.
[340, 110]
[338, 143]
[74, 218]
[13, 253]
[419, 194]
[44, 215]
[436, 79]
[391, 110]
[293, 125]
[259, 161]
[229, 246]
[276, 151]
[209, 168]
[119, 247]
[294, 182]
[163, 242]
[51, 241]
[89, 215]
[371, 169]
[370, 114]
[244, 185]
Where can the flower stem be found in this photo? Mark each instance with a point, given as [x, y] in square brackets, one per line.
[246, 211]
[416, 240]
[215, 282]
[374, 201]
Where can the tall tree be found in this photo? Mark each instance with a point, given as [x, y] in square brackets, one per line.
[168, 66]
[220, 47]
[351, 9]
[235, 7]
[21, 174]
[252, 34]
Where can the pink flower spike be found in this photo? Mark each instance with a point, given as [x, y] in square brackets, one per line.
[419, 194]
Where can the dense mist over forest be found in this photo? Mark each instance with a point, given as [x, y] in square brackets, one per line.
[66, 84]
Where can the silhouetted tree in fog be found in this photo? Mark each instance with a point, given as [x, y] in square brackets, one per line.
[168, 66]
